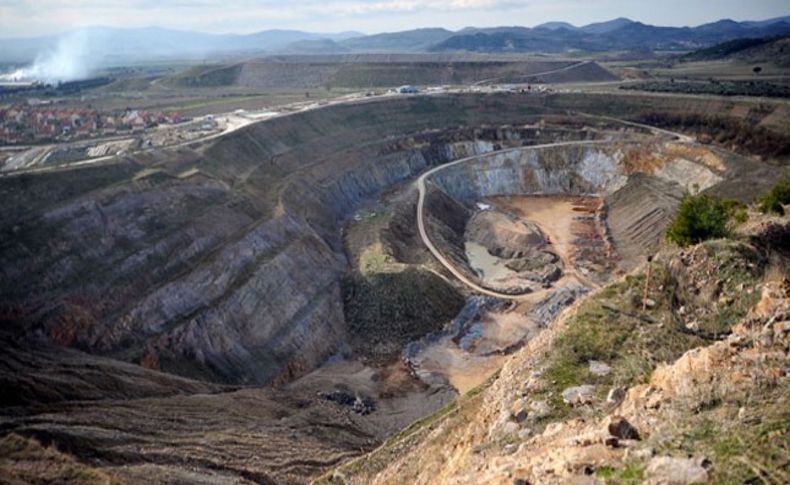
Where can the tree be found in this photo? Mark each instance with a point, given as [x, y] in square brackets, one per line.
[757, 70]
[775, 200]
[700, 217]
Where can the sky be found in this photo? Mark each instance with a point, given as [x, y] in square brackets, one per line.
[26, 18]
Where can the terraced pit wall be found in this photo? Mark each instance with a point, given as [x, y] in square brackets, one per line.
[641, 199]
[223, 262]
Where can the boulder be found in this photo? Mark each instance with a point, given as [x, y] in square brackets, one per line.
[539, 409]
[579, 395]
[525, 433]
[599, 369]
[665, 470]
[518, 411]
[615, 396]
[620, 428]
[510, 427]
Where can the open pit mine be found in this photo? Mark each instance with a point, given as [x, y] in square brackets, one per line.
[267, 305]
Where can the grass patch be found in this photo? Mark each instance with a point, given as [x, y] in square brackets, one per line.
[631, 474]
[747, 442]
[24, 460]
[612, 327]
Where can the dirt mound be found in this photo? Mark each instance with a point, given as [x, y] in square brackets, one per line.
[503, 236]
[383, 71]
[638, 214]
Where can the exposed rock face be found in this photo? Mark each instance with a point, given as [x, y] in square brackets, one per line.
[639, 199]
[560, 170]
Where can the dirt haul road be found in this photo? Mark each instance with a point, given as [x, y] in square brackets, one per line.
[421, 188]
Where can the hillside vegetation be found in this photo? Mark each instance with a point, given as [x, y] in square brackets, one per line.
[766, 49]
[717, 88]
[726, 49]
[677, 373]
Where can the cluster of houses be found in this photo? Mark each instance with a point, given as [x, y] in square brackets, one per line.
[30, 124]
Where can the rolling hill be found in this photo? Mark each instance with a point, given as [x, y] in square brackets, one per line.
[618, 34]
[769, 49]
[110, 45]
[98, 47]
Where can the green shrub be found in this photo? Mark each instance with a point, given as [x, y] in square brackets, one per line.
[700, 217]
[737, 211]
[774, 200]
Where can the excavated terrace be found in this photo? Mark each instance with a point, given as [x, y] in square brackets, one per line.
[289, 255]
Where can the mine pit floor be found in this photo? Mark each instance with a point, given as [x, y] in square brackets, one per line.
[574, 234]
[571, 225]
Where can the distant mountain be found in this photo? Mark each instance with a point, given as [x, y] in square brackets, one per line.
[410, 40]
[606, 27]
[618, 34]
[556, 25]
[499, 30]
[777, 52]
[537, 40]
[317, 46]
[80, 52]
[763, 23]
[596, 28]
[725, 49]
[109, 45]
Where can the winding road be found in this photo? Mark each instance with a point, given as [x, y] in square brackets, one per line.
[422, 190]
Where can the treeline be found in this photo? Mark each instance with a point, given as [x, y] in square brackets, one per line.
[59, 89]
[718, 88]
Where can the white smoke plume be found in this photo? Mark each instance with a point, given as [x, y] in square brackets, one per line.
[69, 60]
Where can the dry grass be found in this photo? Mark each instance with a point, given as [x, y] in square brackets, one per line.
[24, 461]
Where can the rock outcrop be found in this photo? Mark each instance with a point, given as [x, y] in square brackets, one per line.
[715, 413]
